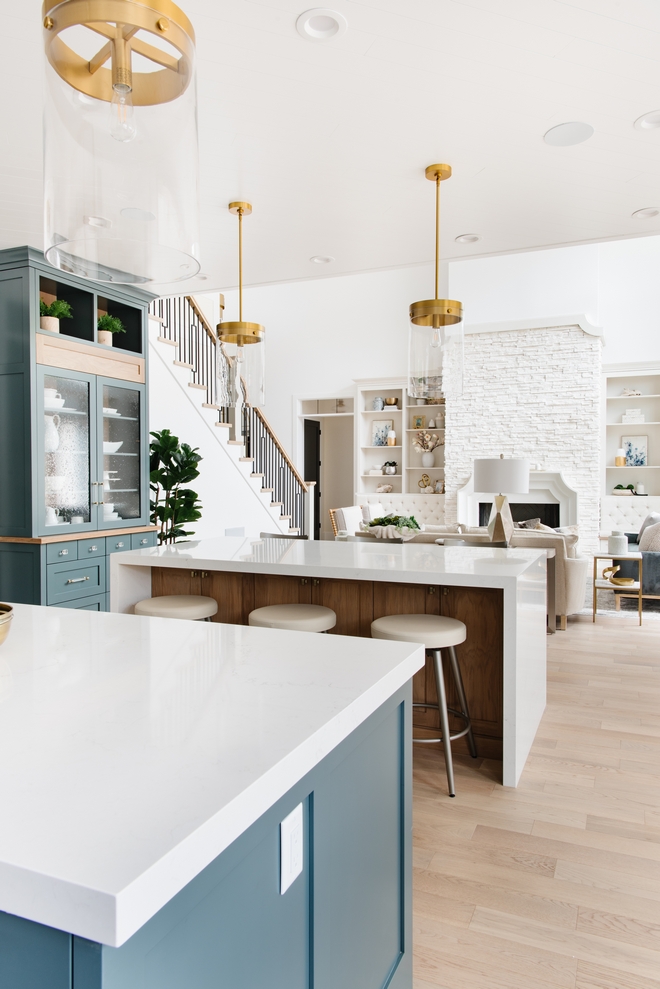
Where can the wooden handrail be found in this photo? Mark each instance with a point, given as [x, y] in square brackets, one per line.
[201, 317]
[279, 446]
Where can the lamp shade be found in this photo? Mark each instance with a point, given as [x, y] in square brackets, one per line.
[497, 475]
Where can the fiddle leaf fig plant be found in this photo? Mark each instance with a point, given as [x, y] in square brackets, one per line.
[172, 465]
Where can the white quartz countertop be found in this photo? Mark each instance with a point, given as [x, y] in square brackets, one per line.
[474, 566]
[130, 758]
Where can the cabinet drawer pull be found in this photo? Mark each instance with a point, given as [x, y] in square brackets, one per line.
[77, 580]
[119, 545]
[63, 552]
[143, 542]
[303, 580]
[92, 549]
[316, 582]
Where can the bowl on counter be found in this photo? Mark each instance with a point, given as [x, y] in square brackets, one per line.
[112, 447]
[6, 615]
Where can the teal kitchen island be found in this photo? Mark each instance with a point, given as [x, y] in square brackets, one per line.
[188, 805]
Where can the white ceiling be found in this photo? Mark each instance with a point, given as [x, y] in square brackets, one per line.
[329, 141]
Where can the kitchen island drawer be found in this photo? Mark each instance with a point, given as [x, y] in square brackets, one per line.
[62, 552]
[68, 581]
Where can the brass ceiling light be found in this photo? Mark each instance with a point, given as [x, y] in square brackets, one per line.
[120, 135]
[436, 328]
[238, 334]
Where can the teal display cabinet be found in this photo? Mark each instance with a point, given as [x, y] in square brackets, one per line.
[74, 435]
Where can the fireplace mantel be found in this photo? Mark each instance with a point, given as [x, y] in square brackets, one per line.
[544, 487]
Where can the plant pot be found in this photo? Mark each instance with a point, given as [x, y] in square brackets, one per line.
[104, 337]
[51, 323]
[428, 459]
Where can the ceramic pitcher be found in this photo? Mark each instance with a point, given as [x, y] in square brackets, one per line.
[51, 435]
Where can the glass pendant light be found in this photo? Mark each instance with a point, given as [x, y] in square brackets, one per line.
[120, 141]
[243, 343]
[435, 351]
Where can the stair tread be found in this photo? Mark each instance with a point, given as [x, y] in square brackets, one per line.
[170, 343]
[266, 490]
[183, 364]
[227, 425]
[235, 443]
[283, 518]
[210, 405]
[193, 384]
[246, 460]
[274, 504]
[256, 475]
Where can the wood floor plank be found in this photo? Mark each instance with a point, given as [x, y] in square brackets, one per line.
[555, 883]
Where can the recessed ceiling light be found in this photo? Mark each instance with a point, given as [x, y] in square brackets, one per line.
[321, 259]
[321, 24]
[564, 135]
[648, 121]
[647, 213]
[467, 238]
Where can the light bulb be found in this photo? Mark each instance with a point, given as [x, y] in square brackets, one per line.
[436, 340]
[122, 122]
[239, 355]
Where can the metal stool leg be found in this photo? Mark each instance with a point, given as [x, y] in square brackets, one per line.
[444, 719]
[460, 690]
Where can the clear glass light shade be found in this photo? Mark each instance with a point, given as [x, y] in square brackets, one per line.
[121, 185]
[435, 361]
[247, 377]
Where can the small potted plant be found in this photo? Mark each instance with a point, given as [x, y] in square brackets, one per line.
[50, 315]
[106, 327]
[425, 443]
[389, 467]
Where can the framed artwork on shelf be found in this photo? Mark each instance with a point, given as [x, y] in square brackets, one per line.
[418, 422]
[379, 430]
[636, 448]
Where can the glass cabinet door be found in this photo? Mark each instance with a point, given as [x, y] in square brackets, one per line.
[64, 405]
[121, 416]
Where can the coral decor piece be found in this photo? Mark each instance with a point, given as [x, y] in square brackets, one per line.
[426, 442]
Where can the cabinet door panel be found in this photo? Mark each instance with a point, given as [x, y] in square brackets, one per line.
[351, 600]
[227, 590]
[281, 590]
[170, 580]
[123, 451]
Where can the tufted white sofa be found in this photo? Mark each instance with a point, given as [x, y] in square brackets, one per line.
[625, 513]
[427, 509]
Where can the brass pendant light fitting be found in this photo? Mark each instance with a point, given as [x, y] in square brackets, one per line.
[238, 331]
[118, 22]
[436, 312]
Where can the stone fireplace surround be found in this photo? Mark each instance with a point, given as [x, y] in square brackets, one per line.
[545, 488]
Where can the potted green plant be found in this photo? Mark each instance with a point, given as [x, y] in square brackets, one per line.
[106, 327]
[389, 467]
[171, 465]
[50, 315]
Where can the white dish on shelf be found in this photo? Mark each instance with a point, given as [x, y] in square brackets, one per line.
[112, 447]
[111, 412]
[53, 404]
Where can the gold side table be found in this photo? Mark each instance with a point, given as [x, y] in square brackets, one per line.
[599, 584]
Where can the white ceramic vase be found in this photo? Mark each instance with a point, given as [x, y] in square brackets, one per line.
[428, 459]
[104, 337]
[617, 543]
[51, 323]
[51, 435]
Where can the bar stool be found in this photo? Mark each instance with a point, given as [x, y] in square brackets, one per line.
[435, 633]
[296, 617]
[194, 607]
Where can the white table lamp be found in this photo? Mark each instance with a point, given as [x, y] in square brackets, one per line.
[501, 477]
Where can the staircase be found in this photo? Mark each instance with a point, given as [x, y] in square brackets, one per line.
[180, 336]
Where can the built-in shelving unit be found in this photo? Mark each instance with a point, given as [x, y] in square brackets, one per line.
[616, 404]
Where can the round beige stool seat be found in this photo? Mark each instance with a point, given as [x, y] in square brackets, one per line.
[194, 607]
[296, 617]
[431, 631]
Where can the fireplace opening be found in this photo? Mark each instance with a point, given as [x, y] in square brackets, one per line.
[548, 512]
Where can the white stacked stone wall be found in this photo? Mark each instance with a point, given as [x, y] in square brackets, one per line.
[530, 393]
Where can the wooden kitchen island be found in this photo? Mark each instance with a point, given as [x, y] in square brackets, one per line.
[498, 593]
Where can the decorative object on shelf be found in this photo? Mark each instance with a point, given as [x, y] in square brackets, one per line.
[439, 487]
[376, 471]
[50, 315]
[243, 343]
[52, 515]
[172, 465]
[431, 423]
[435, 346]
[620, 458]
[425, 484]
[609, 574]
[106, 327]
[77, 520]
[418, 422]
[51, 434]
[428, 459]
[392, 401]
[631, 392]
[393, 527]
[425, 443]
[110, 448]
[384, 489]
[619, 489]
[391, 438]
[420, 401]
[6, 615]
[633, 415]
[52, 399]
[121, 201]
[636, 448]
[640, 490]
[379, 430]
[499, 475]
[617, 543]
[389, 467]
[378, 404]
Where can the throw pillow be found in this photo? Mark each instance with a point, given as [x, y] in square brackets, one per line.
[372, 511]
[528, 524]
[651, 519]
[443, 529]
[650, 541]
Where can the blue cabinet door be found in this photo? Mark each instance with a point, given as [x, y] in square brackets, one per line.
[123, 452]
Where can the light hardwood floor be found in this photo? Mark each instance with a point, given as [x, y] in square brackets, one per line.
[555, 883]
